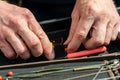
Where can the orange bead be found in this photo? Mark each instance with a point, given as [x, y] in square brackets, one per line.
[10, 73]
[53, 45]
[1, 78]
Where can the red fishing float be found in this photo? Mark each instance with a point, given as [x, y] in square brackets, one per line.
[1, 78]
[10, 73]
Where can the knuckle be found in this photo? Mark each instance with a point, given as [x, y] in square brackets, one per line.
[17, 20]
[99, 42]
[21, 51]
[73, 15]
[41, 34]
[27, 12]
[106, 43]
[72, 31]
[38, 52]
[113, 38]
[89, 14]
[81, 35]
[10, 55]
[2, 43]
[25, 56]
[38, 55]
[117, 19]
[34, 43]
[104, 16]
[91, 10]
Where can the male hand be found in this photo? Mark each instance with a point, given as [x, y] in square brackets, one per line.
[99, 17]
[21, 35]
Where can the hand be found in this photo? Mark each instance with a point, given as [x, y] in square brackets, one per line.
[99, 17]
[21, 35]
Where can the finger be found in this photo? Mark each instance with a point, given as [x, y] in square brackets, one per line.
[75, 18]
[46, 44]
[30, 39]
[18, 45]
[81, 32]
[32, 42]
[98, 35]
[109, 32]
[8, 50]
[115, 31]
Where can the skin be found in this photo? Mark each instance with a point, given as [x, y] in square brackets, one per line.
[21, 35]
[99, 17]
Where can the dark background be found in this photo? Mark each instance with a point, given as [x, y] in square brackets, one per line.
[49, 9]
